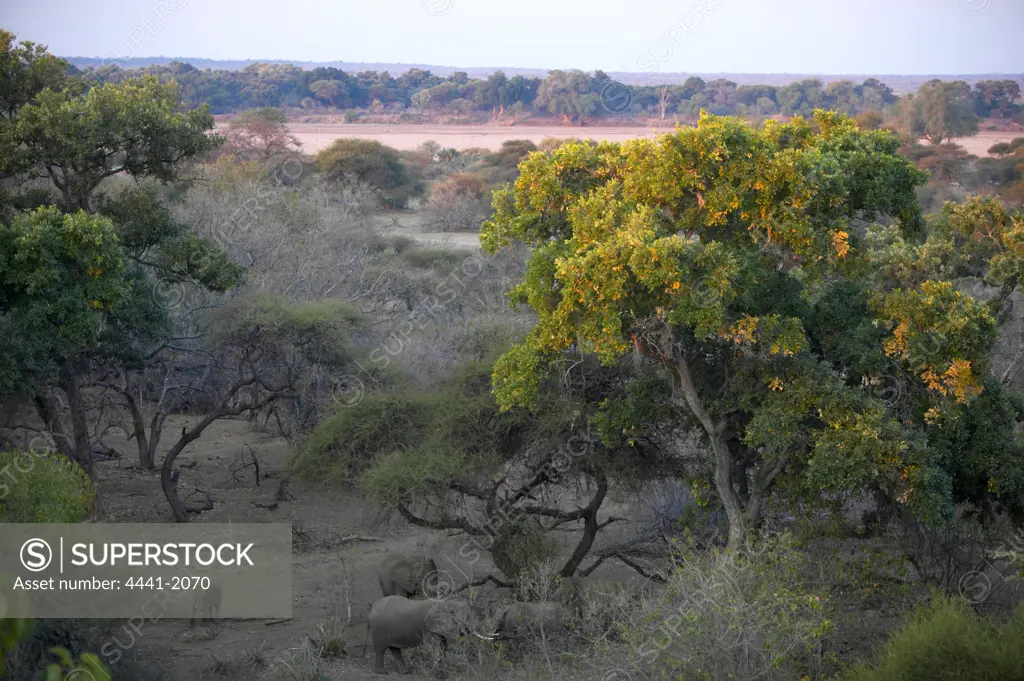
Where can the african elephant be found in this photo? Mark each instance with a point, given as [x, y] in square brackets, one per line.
[396, 622]
[523, 619]
[405, 575]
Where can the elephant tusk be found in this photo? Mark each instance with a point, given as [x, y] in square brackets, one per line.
[485, 638]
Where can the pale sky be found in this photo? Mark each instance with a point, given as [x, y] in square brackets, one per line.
[728, 36]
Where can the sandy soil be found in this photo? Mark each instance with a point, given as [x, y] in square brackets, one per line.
[980, 143]
[420, 226]
[316, 136]
[330, 575]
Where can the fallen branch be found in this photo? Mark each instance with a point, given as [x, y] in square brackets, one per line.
[484, 580]
[280, 620]
[359, 537]
[653, 576]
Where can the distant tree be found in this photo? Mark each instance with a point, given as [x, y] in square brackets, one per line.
[694, 85]
[939, 111]
[568, 94]
[512, 152]
[801, 98]
[261, 134]
[751, 94]
[371, 162]
[332, 92]
[492, 93]
[996, 98]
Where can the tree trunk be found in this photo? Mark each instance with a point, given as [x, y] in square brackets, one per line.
[590, 528]
[716, 432]
[723, 455]
[50, 416]
[139, 426]
[79, 424]
[170, 488]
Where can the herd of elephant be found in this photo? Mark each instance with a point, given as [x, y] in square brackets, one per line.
[400, 620]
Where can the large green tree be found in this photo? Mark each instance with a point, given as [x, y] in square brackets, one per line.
[940, 111]
[139, 128]
[59, 275]
[738, 260]
[81, 291]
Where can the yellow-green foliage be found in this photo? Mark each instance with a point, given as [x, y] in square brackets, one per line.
[948, 641]
[43, 488]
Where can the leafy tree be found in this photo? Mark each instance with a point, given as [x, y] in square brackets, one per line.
[996, 98]
[59, 272]
[940, 111]
[138, 128]
[331, 91]
[261, 134]
[729, 257]
[94, 279]
[568, 94]
[25, 70]
[371, 162]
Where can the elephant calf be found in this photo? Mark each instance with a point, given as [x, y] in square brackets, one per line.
[406, 576]
[396, 622]
[524, 619]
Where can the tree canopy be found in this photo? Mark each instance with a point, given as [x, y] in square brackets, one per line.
[941, 110]
[746, 264]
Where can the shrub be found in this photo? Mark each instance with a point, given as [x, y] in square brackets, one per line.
[870, 120]
[549, 144]
[371, 162]
[729, 616]
[458, 202]
[521, 546]
[43, 488]
[511, 153]
[947, 641]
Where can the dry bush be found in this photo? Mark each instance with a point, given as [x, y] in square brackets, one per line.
[302, 243]
[742, 615]
[966, 556]
[458, 202]
[300, 664]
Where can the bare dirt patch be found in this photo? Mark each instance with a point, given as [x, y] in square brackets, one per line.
[333, 574]
[420, 226]
[980, 143]
[316, 136]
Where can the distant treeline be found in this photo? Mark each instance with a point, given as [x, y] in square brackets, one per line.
[573, 95]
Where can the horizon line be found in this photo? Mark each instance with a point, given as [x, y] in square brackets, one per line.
[531, 68]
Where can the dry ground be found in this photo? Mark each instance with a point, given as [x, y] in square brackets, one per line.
[329, 574]
[316, 136]
[419, 225]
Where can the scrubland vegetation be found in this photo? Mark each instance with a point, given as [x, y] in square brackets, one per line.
[770, 369]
